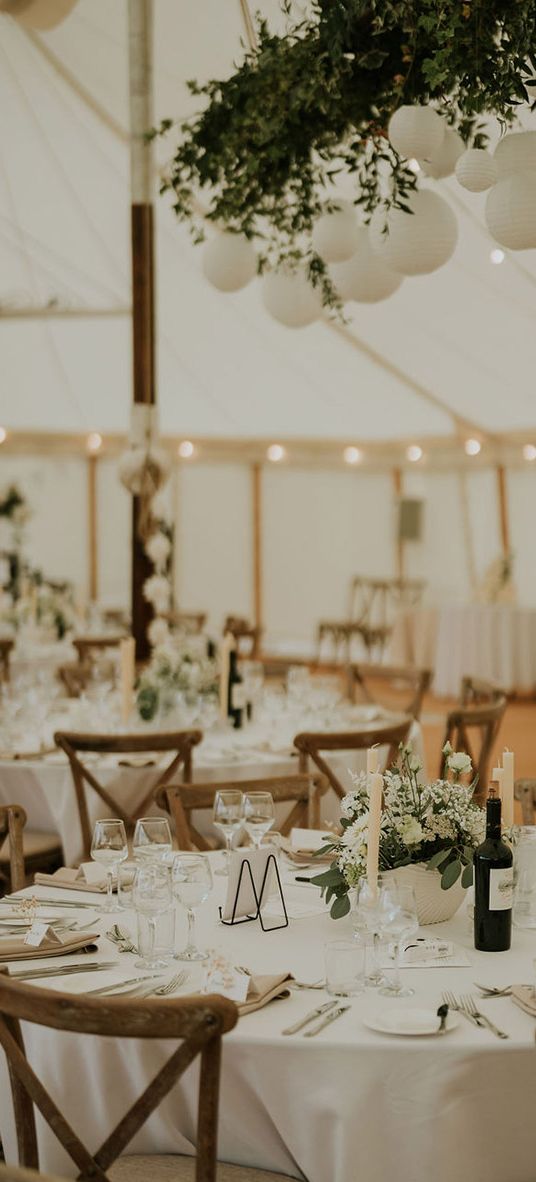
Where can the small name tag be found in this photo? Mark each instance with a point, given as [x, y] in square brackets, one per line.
[38, 933]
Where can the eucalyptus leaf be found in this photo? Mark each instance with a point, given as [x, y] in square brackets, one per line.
[451, 874]
[340, 907]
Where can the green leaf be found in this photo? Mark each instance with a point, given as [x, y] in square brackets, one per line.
[340, 907]
[437, 859]
[467, 876]
[451, 874]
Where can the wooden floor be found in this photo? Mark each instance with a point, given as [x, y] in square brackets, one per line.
[518, 733]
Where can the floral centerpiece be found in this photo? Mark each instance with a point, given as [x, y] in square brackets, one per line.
[432, 828]
[179, 668]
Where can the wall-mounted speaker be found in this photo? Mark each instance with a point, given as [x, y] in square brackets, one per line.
[410, 519]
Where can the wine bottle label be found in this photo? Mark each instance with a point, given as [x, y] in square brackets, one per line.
[501, 889]
[238, 696]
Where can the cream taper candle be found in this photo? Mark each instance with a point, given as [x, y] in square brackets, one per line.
[375, 817]
[373, 759]
[228, 644]
[507, 789]
[127, 657]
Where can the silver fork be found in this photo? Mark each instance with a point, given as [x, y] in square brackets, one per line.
[469, 1005]
[454, 1004]
[164, 990]
[124, 943]
[493, 991]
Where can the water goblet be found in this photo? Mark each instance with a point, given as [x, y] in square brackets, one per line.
[192, 883]
[228, 816]
[399, 921]
[152, 839]
[367, 918]
[152, 896]
[109, 848]
[259, 815]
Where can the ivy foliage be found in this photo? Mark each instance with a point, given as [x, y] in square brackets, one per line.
[270, 141]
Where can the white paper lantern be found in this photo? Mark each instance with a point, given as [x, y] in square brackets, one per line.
[289, 298]
[476, 170]
[365, 277]
[416, 243]
[511, 211]
[38, 14]
[229, 261]
[416, 131]
[335, 235]
[442, 162]
[516, 152]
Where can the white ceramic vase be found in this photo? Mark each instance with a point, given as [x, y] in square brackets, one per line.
[434, 905]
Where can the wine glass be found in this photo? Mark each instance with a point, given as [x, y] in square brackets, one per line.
[399, 920]
[368, 923]
[109, 848]
[228, 816]
[152, 839]
[259, 815]
[192, 883]
[151, 896]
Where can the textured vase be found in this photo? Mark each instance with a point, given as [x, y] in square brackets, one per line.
[434, 905]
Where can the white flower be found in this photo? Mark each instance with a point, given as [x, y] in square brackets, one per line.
[158, 631]
[410, 830]
[459, 762]
[355, 835]
[158, 548]
[157, 591]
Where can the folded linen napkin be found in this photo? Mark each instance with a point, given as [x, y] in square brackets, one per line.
[301, 856]
[263, 989]
[525, 996]
[88, 877]
[14, 948]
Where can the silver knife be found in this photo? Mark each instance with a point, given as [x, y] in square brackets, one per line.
[119, 986]
[10, 899]
[310, 1017]
[92, 967]
[326, 1021]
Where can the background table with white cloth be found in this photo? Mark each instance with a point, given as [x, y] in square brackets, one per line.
[45, 789]
[493, 641]
[349, 1104]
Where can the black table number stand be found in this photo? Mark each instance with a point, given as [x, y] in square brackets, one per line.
[246, 868]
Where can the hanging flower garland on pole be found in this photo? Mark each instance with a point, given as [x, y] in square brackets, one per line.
[369, 91]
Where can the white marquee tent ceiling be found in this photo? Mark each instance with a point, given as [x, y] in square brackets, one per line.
[457, 343]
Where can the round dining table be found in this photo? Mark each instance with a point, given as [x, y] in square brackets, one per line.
[347, 1104]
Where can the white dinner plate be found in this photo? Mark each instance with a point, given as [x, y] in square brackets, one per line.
[415, 1022]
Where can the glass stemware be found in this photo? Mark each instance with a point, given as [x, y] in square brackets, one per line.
[192, 883]
[109, 848]
[152, 896]
[259, 815]
[152, 839]
[368, 924]
[228, 816]
[399, 921]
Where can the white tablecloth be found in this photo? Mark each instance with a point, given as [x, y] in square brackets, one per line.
[45, 790]
[347, 1104]
[495, 642]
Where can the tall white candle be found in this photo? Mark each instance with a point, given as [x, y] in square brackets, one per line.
[497, 777]
[507, 789]
[375, 817]
[373, 760]
[227, 646]
[127, 657]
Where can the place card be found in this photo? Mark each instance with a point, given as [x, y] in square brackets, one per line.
[221, 977]
[39, 932]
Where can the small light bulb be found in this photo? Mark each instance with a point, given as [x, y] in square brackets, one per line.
[185, 449]
[275, 453]
[3, 434]
[529, 452]
[472, 447]
[414, 453]
[352, 455]
[497, 256]
[94, 441]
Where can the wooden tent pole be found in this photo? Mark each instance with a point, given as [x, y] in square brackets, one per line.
[256, 502]
[93, 568]
[503, 509]
[399, 545]
[140, 14]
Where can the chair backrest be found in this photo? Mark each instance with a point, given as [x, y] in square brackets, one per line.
[6, 647]
[180, 743]
[190, 622]
[74, 676]
[525, 793]
[14, 1174]
[373, 602]
[247, 637]
[311, 745]
[474, 729]
[88, 646]
[387, 684]
[12, 822]
[304, 792]
[477, 692]
[199, 1022]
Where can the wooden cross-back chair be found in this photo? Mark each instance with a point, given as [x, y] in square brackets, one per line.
[304, 792]
[311, 746]
[189, 622]
[525, 793]
[88, 646]
[14, 1174]
[74, 677]
[7, 645]
[247, 636]
[180, 743]
[370, 680]
[476, 691]
[198, 1022]
[12, 822]
[484, 723]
